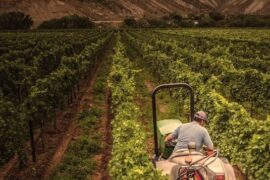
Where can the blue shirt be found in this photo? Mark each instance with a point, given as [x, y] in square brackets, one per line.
[192, 132]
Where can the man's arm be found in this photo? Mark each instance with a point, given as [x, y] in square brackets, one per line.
[207, 141]
[173, 135]
[169, 138]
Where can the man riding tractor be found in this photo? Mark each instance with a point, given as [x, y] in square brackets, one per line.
[192, 132]
[183, 159]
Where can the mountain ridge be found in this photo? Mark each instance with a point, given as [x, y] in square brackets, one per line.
[117, 10]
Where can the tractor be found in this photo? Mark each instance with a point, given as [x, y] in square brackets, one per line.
[186, 164]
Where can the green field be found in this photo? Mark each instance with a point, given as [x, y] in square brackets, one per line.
[229, 69]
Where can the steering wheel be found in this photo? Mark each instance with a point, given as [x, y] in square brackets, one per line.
[171, 143]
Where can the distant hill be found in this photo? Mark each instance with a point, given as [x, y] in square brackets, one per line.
[117, 10]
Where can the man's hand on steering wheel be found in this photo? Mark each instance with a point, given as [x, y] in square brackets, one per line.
[170, 143]
[207, 151]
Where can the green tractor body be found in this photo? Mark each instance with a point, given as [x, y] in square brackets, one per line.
[166, 127]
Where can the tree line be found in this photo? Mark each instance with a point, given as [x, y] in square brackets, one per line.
[212, 19]
[15, 20]
[19, 20]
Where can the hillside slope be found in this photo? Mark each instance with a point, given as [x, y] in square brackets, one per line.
[117, 10]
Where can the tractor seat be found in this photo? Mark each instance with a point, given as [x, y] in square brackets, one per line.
[180, 155]
[166, 165]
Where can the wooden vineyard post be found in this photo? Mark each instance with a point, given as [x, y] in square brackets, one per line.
[31, 132]
[30, 123]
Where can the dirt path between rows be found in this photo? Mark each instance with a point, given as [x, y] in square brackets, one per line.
[105, 130]
[8, 167]
[108, 141]
[151, 86]
[62, 147]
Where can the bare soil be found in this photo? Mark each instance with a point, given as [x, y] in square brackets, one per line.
[8, 167]
[105, 130]
[150, 86]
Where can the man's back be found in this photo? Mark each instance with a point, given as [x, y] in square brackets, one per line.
[191, 132]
